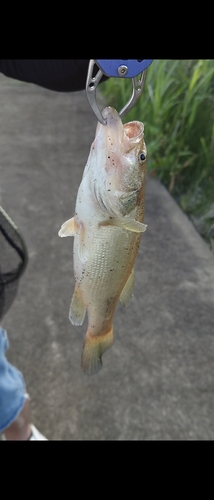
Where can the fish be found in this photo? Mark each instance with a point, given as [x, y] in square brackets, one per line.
[107, 228]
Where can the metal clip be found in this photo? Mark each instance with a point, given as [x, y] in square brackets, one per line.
[91, 87]
[137, 89]
[93, 81]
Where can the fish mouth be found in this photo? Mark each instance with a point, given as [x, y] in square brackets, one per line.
[114, 135]
[134, 131]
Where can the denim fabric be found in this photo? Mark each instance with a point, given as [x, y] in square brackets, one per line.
[12, 387]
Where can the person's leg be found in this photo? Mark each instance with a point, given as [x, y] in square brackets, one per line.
[14, 401]
[19, 429]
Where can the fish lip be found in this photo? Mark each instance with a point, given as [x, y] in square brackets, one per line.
[110, 113]
[111, 135]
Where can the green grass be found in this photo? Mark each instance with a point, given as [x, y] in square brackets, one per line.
[177, 109]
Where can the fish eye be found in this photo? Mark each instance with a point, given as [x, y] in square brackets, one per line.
[142, 156]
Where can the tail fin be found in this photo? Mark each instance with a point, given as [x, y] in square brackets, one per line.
[93, 349]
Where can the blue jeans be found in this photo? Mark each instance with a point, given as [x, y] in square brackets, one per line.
[12, 387]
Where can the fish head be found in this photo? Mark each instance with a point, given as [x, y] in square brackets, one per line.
[118, 155]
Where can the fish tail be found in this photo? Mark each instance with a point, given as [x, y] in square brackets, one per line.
[93, 349]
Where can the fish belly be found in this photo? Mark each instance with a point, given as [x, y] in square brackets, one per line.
[101, 279]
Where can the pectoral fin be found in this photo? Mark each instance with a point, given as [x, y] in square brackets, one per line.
[128, 289]
[83, 250]
[125, 223]
[69, 228]
[77, 308]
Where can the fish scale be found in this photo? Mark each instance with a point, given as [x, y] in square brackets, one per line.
[104, 264]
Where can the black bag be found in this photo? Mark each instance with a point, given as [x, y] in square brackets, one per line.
[13, 261]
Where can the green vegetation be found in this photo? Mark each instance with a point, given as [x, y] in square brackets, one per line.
[177, 109]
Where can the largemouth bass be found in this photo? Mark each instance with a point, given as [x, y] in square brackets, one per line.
[107, 228]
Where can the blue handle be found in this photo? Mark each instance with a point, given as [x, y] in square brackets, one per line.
[125, 68]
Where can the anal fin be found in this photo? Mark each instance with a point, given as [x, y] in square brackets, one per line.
[128, 289]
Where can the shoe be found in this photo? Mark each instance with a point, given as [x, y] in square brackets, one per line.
[36, 435]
